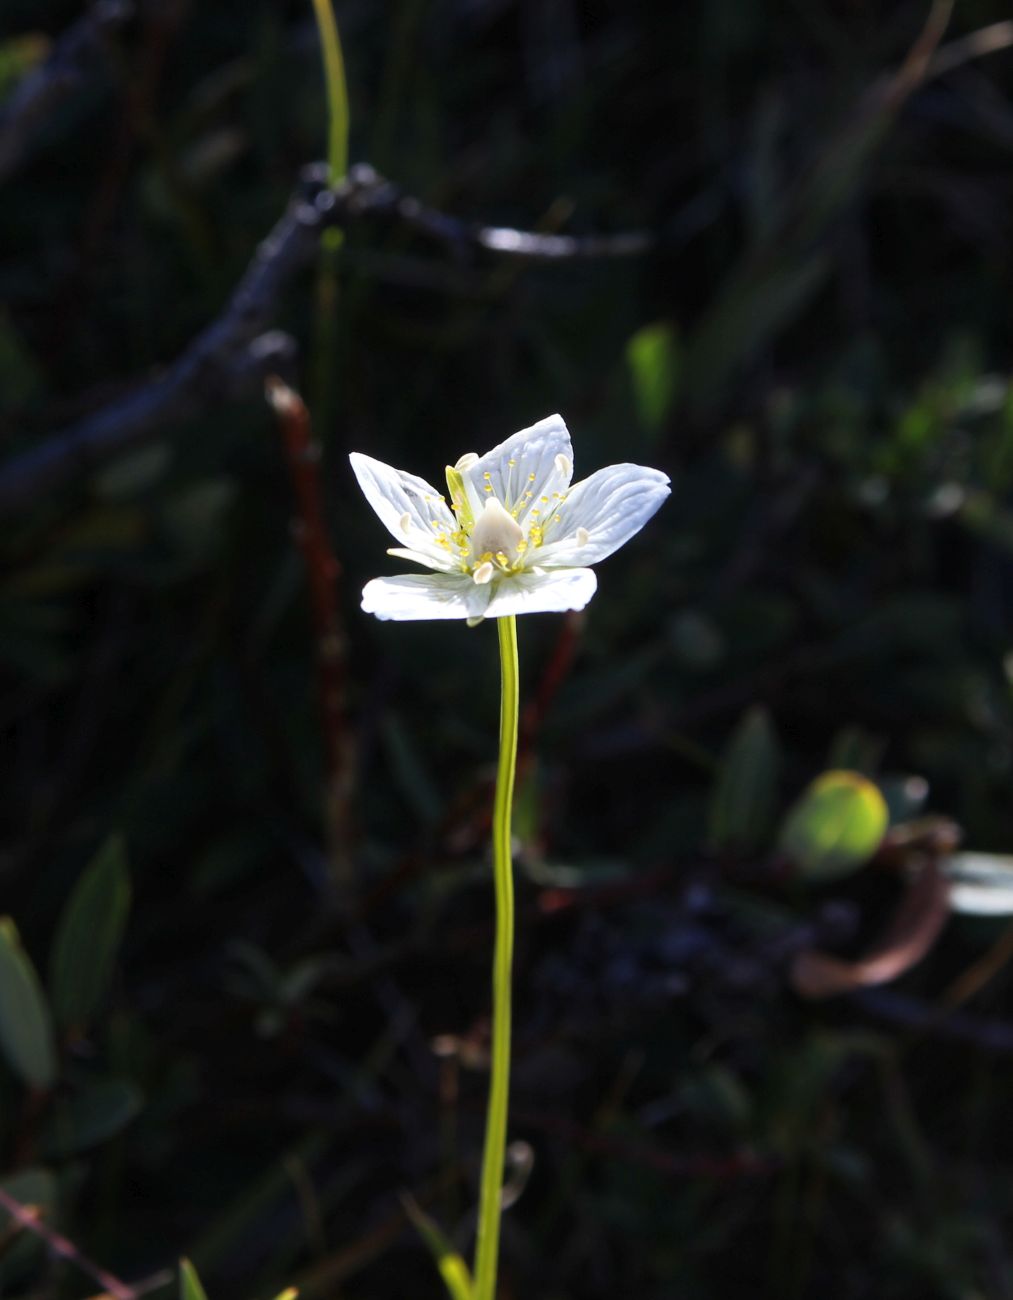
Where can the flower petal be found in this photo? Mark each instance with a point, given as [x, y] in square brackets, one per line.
[542, 593]
[425, 595]
[534, 462]
[444, 562]
[601, 513]
[411, 509]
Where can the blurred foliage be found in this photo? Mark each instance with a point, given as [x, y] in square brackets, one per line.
[206, 1053]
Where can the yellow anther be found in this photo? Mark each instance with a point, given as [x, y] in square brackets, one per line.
[511, 463]
[531, 478]
[487, 474]
[488, 487]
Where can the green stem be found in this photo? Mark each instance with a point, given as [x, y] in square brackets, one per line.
[324, 343]
[487, 1250]
[337, 90]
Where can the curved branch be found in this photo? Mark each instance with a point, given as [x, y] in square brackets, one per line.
[232, 357]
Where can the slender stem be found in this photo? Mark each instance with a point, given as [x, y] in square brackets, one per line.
[337, 90]
[324, 342]
[487, 1250]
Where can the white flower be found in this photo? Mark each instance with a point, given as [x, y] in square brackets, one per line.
[516, 537]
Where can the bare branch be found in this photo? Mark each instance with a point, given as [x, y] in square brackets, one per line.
[29, 1218]
[71, 61]
[233, 356]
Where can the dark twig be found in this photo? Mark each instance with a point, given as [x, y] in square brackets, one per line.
[28, 1217]
[922, 1017]
[70, 63]
[721, 1168]
[322, 570]
[233, 355]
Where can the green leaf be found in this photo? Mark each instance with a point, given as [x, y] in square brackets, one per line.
[190, 1287]
[655, 361]
[26, 1031]
[99, 1111]
[742, 803]
[835, 827]
[88, 935]
[454, 1271]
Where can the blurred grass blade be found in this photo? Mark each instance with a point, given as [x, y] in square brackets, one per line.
[835, 826]
[88, 935]
[742, 803]
[190, 1287]
[26, 1031]
[454, 1271]
[655, 361]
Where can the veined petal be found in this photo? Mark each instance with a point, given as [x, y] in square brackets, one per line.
[534, 462]
[542, 593]
[425, 595]
[411, 509]
[442, 562]
[601, 513]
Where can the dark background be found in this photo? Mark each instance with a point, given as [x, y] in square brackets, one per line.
[816, 348]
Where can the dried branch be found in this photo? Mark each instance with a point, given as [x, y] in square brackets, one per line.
[28, 1217]
[71, 62]
[923, 911]
[232, 357]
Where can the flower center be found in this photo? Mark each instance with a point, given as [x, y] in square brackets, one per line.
[495, 541]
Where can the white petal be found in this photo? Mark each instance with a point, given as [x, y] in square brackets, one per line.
[440, 560]
[425, 595]
[544, 593]
[533, 451]
[394, 494]
[609, 507]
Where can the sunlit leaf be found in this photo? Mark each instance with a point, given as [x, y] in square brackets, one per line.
[835, 826]
[454, 1271]
[190, 1287]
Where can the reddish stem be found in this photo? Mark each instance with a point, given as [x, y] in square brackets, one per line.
[302, 452]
